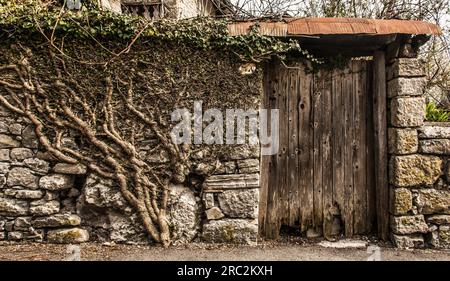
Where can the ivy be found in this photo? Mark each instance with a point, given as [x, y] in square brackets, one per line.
[25, 18]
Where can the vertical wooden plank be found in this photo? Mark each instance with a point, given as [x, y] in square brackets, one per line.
[293, 169]
[359, 170]
[318, 150]
[348, 153]
[327, 170]
[370, 167]
[305, 145]
[380, 144]
[265, 159]
[283, 155]
[338, 141]
[271, 219]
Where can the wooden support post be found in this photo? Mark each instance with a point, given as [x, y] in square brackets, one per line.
[380, 143]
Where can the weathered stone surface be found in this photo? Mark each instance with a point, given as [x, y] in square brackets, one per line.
[208, 200]
[29, 194]
[43, 208]
[29, 138]
[23, 177]
[125, 228]
[439, 219]
[12, 207]
[248, 166]
[4, 168]
[56, 182]
[103, 193]
[8, 142]
[243, 152]
[2, 181]
[205, 168]
[57, 220]
[407, 111]
[434, 132]
[70, 169]
[214, 214]
[402, 141]
[239, 203]
[222, 182]
[21, 153]
[447, 172]
[408, 241]
[228, 167]
[406, 67]
[231, 231]
[15, 235]
[435, 146]
[22, 223]
[68, 236]
[15, 129]
[432, 201]
[401, 201]
[184, 213]
[3, 128]
[408, 224]
[412, 170]
[4, 154]
[444, 235]
[405, 87]
[37, 165]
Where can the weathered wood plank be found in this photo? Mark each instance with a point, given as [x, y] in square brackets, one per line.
[380, 144]
[338, 141]
[318, 150]
[327, 170]
[305, 143]
[359, 178]
[293, 168]
[348, 152]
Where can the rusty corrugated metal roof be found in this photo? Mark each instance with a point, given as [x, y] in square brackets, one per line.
[335, 26]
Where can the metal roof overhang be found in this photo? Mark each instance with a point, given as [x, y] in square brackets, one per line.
[338, 35]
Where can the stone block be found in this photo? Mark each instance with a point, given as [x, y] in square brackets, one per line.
[434, 132]
[407, 111]
[433, 201]
[70, 169]
[231, 231]
[402, 141]
[408, 241]
[223, 182]
[401, 201]
[405, 87]
[38, 165]
[413, 170]
[56, 182]
[248, 166]
[13, 207]
[57, 220]
[408, 224]
[214, 213]
[7, 141]
[435, 146]
[23, 177]
[406, 67]
[68, 236]
[239, 203]
[439, 219]
[44, 208]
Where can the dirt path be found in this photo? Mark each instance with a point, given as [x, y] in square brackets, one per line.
[273, 251]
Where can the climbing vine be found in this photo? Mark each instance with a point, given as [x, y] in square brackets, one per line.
[110, 82]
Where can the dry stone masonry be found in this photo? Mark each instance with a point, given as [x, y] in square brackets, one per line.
[419, 162]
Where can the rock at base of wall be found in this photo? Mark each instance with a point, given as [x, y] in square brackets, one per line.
[408, 224]
[183, 213]
[412, 170]
[57, 220]
[68, 236]
[231, 231]
[408, 241]
[432, 201]
[241, 203]
[126, 228]
[444, 236]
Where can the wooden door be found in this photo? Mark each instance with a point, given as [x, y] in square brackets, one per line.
[321, 181]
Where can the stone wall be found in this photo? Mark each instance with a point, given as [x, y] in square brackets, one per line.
[418, 164]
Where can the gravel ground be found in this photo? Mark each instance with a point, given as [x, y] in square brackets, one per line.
[208, 252]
